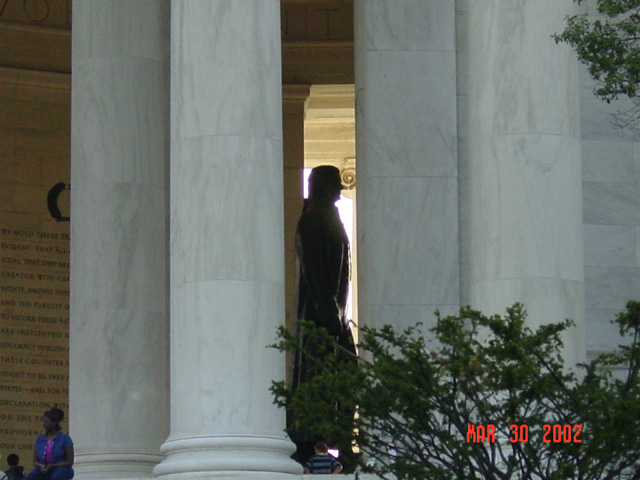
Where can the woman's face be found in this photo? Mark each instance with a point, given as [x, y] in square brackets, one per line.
[49, 425]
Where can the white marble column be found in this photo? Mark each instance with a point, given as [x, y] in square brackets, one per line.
[227, 277]
[407, 160]
[119, 157]
[520, 152]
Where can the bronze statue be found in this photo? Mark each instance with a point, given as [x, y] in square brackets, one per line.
[323, 273]
[322, 254]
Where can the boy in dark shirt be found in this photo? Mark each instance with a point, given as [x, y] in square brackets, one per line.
[15, 472]
[322, 462]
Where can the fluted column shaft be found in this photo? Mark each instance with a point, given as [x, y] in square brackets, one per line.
[227, 292]
[407, 160]
[521, 150]
[119, 325]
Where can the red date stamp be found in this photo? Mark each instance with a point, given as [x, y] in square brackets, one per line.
[555, 433]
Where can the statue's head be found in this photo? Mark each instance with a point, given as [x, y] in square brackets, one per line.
[325, 183]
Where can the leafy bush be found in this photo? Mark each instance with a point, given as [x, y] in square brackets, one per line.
[609, 45]
[416, 405]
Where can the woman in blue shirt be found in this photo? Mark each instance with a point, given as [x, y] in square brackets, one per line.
[53, 450]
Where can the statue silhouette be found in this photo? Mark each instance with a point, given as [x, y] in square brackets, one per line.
[323, 273]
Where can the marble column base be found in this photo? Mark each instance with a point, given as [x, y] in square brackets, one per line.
[227, 456]
[115, 465]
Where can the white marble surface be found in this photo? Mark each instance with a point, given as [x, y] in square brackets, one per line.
[226, 208]
[611, 214]
[608, 203]
[293, 121]
[518, 79]
[131, 406]
[224, 45]
[608, 288]
[410, 25]
[408, 315]
[226, 213]
[520, 163]
[410, 132]
[608, 161]
[611, 287]
[221, 331]
[524, 208]
[407, 160]
[610, 245]
[121, 28]
[119, 324]
[602, 335]
[411, 241]
[132, 142]
[119, 253]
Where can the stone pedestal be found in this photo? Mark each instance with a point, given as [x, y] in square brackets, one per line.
[119, 325]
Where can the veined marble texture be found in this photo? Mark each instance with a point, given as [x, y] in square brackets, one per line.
[226, 241]
[611, 287]
[525, 208]
[118, 377]
[518, 79]
[226, 151]
[608, 161]
[520, 161]
[405, 88]
[598, 120]
[121, 28]
[610, 245]
[407, 161]
[220, 333]
[226, 209]
[402, 316]
[120, 121]
[410, 25]
[608, 288]
[611, 203]
[226, 77]
[602, 335]
[407, 113]
[611, 213]
[119, 254]
[409, 253]
[119, 323]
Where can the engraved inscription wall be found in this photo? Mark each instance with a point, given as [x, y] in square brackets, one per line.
[34, 336]
[34, 252]
[41, 12]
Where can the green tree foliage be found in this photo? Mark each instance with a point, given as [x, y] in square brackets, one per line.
[415, 404]
[609, 45]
